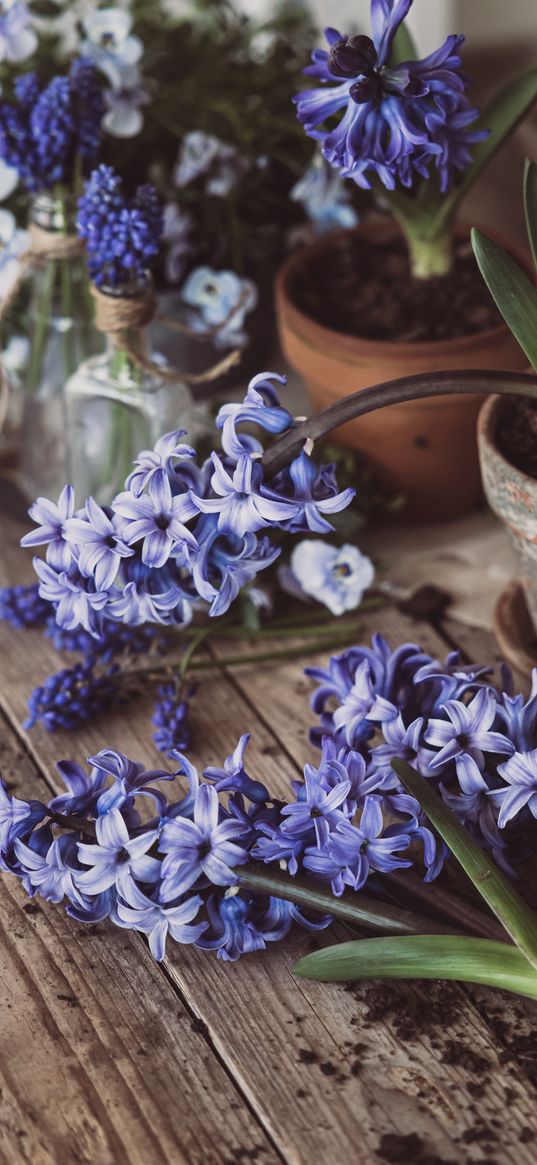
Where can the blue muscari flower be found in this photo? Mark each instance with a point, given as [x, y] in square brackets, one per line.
[115, 858]
[233, 778]
[88, 109]
[261, 406]
[22, 606]
[17, 146]
[240, 923]
[27, 90]
[242, 503]
[206, 846]
[71, 696]
[157, 920]
[467, 730]
[122, 236]
[170, 717]
[396, 122]
[349, 852]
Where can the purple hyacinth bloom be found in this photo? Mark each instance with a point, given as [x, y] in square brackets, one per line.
[204, 846]
[13, 814]
[136, 605]
[240, 504]
[129, 779]
[351, 851]
[396, 121]
[157, 921]
[51, 521]
[312, 500]
[225, 563]
[403, 742]
[116, 857]
[240, 924]
[316, 808]
[361, 707]
[233, 777]
[150, 461]
[97, 545]
[467, 729]
[77, 603]
[50, 874]
[261, 407]
[83, 788]
[157, 521]
[520, 773]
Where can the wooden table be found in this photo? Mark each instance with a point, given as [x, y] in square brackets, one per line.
[107, 1058]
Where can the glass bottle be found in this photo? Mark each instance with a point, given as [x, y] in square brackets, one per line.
[115, 408]
[62, 334]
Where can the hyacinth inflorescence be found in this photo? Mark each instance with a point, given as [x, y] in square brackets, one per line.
[182, 533]
[398, 120]
[46, 132]
[122, 235]
[346, 823]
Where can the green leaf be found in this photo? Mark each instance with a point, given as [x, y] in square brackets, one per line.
[403, 48]
[501, 117]
[514, 293]
[530, 204]
[519, 920]
[468, 960]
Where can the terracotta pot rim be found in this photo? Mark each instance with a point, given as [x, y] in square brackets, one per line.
[305, 326]
[487, 422]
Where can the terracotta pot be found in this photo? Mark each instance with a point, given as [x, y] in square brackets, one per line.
[512, 495]
[425, 450]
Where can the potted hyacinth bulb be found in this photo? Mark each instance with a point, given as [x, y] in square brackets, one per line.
[124, 399]
[401, 295]
[51, 137]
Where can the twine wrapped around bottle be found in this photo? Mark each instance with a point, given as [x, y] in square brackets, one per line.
[117, 315]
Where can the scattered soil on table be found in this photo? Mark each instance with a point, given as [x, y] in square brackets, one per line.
[401, 1149]
[517, 434]
[368, 291]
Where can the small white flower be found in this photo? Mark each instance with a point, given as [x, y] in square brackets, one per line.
[335, 576]
[13, 244]
[324, 195]
[222, 301]
[200, 153]
[124, 101]
[18, 39]
[109, 43]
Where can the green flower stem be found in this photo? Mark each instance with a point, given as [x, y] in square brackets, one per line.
[519, 920]
[467, 960]
[356, 908]
[429, 258]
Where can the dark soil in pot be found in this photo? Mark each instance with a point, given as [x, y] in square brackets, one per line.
[517, 435]
[367, 290]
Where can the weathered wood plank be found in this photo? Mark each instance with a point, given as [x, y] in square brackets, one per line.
[100, 1062]
[330, 1072]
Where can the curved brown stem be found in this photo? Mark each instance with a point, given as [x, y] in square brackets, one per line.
[379, 396]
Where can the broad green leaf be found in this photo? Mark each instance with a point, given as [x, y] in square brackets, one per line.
[403, 48]
[530, 205]
[468, 960]
[519, 920]
[358, 909]
[501, 117]
[514, 293]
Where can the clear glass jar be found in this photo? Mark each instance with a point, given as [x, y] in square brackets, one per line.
[115, 408]
[61, 334]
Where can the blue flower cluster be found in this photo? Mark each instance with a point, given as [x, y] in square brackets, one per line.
[122, 236]
[44, 131]
[397, 121]
[180, 532]
[348, 821]
[477, 744]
